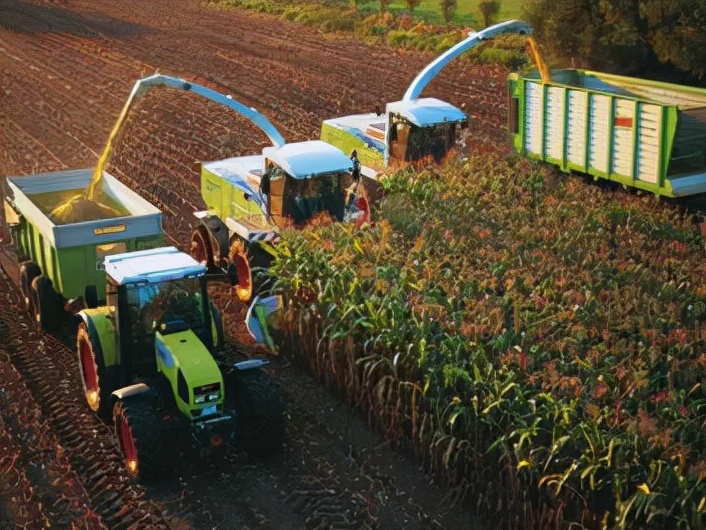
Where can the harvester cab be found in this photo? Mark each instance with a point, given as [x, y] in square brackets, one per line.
[413, 129]
[250, 199]
[148, 356]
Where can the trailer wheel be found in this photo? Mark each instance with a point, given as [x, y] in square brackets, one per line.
[45, 303]
[98, 383]
[137, 426]
[201, 248]
[28, 272]
[90, 296]
[244, 282]
[259, 411]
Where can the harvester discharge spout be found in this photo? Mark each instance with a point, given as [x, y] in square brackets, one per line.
[432, 69]
[157, 80]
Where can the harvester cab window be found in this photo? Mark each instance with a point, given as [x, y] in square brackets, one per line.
[272, 187]
[410, 143]
[320, 193]
[399, 132]
[431, 143]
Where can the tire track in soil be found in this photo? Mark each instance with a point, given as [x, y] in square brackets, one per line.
[49, 370]
[37, 484]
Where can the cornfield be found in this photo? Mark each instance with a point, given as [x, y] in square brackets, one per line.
[537, 340]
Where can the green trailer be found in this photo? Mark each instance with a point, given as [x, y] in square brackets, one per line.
[63, 262]
[643, 134]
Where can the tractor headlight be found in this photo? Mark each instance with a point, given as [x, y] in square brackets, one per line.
[199, 400]
[213, 396]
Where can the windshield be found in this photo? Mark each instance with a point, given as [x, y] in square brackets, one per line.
[321, 193]
[410, 143]
[168, 307]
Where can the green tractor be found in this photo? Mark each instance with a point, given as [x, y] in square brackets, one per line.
[149, 359]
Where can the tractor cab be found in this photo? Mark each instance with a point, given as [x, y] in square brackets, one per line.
[165, 325]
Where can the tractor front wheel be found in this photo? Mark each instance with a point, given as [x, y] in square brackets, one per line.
[259, 411]
[98, 383]
[46, 306]
[137, 425]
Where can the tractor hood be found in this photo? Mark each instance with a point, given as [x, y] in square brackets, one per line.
[426, 112]
[189, 366]
[185, 350]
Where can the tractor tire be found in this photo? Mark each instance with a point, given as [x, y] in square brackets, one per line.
[46, 304]
[249, 262]
[240, 259]
[28, 272]
[259, 410]
[201, 248]
[99, 381]
[137, 420]
[218, 324]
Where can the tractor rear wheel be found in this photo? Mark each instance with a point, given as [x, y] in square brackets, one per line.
[46, 306]
[28, 272]
[259, 411]
[98, 381]
[201, 248]
[137, 424]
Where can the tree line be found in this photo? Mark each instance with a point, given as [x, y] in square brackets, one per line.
[633, 37]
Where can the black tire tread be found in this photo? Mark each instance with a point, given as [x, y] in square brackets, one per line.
[108, 381]
[46, 303]
[260, 412]
[144, 419]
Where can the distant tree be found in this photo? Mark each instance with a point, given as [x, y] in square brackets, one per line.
[412, 4]
[448, 9]
[567, 28]
[627, 36]
[489, 10]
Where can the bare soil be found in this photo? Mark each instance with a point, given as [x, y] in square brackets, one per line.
[66, 69]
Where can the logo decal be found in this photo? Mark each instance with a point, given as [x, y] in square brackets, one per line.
[109, 230]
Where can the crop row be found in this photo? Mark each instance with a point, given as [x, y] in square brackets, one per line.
[537, 340]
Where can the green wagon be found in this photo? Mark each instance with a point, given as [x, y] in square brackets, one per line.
[59, 263]
[643, 134]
